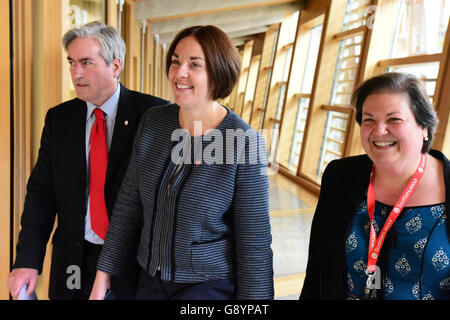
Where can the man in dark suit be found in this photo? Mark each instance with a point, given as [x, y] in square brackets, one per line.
[61, 181]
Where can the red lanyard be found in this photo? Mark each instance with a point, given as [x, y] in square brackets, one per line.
[375, 243]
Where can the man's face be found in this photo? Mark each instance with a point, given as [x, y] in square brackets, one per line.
[94, 81]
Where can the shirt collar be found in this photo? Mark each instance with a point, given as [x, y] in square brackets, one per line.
[109, 107]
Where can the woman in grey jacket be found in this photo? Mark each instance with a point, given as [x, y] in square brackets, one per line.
[194, 201]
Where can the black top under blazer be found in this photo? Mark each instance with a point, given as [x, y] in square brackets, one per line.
[57, 185]
[221, 226]
[344, 186]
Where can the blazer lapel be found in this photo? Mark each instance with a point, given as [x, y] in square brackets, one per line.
[126, 120]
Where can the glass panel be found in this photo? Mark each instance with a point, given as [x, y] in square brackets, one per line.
[427, 72]
[280, 102]
[346, 68]
[356, 14]
[311, 60]
[297, 137]
[335, 132]
[421, 27]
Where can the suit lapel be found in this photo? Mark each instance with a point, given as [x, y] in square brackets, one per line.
[126, 120]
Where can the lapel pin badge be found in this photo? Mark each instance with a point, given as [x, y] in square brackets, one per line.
[126, 122]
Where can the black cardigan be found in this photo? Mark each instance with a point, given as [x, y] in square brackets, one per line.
[344, 185]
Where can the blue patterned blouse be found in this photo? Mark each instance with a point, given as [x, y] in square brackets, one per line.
[418, 265]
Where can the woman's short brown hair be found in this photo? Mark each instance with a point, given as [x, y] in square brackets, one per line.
[222, 59]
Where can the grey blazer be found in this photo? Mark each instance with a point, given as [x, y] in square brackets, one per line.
[215, 225]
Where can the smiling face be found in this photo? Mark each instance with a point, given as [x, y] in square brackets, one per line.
[188, 74]
[94, 81]
[390, 134]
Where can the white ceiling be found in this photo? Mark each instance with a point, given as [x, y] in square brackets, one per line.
[240, 19]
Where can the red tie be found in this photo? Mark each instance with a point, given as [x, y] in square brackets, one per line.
[98, 164]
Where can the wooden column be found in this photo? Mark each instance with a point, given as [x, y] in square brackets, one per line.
[320, 94]
[111, 13]
[5, 147]
[149, 60]
[37, 87]
[132, 35]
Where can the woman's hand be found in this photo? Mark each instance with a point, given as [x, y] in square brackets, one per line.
[101, 286]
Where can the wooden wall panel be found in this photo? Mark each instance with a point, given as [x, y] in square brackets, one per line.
[38, 58]
[149, 61]
[47, 84]
[132, 31]
[5, 147]
[22, 87]
[111, 13]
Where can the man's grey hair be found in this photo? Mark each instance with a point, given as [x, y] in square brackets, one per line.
[111, 43]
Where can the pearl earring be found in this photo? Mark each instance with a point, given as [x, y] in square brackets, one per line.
[425, 139]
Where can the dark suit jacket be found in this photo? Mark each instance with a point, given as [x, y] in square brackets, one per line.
[57, 185]
[344, 186]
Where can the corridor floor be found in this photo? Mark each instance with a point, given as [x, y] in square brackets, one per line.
[291, 211]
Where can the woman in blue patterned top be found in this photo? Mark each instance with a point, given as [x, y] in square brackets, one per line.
[381, 228]
[193, 208]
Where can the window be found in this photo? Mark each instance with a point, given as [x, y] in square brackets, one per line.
[299, 91]
[421, 27]
[347, 66]
[418, 40]
[427, 72]
[356, 14]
